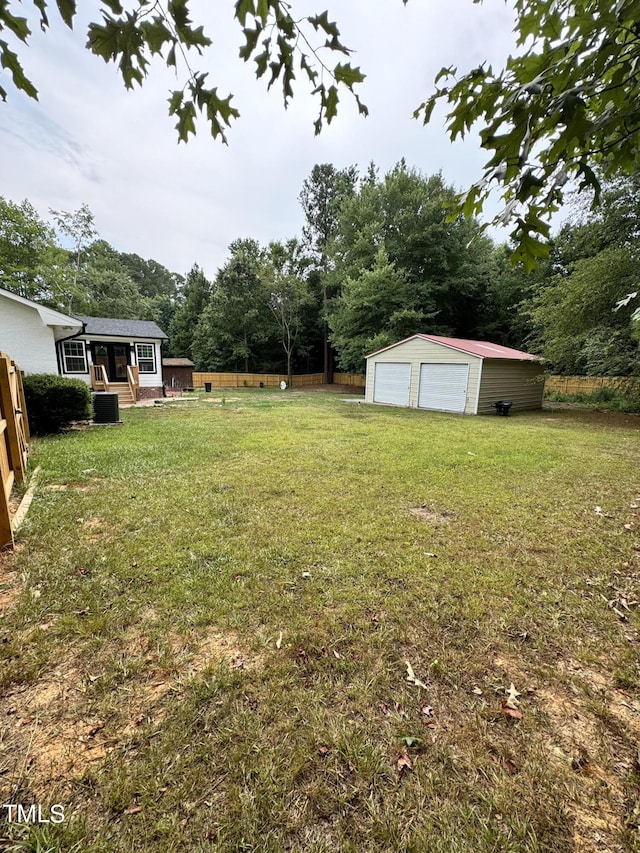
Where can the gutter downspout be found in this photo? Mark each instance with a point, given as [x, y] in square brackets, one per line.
[62, 340]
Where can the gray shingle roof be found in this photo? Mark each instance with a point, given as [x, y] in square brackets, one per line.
[122, 328]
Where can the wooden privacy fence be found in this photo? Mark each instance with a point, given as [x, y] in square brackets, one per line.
[586, 384]
[14, 441]
[270, 380]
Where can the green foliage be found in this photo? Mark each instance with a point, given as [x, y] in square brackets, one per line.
[288, 293]
[278, 43]
[236, 323]
[593, 268]
[323, 194]
[372, 312]
[54, 402]
[444, 267]
[31, 263]
[193, 300]
[619, 399]
[562, 108]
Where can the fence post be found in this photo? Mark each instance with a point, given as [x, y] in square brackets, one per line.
[16, 459]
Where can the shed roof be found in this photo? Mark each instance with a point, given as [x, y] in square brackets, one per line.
[177, 362]
[122, 328]
[481, 349]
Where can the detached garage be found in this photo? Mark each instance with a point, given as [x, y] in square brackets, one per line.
[453, 375]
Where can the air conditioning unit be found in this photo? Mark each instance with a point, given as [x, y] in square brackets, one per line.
[105, 408]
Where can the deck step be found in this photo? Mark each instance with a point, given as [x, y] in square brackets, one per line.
[123, 391]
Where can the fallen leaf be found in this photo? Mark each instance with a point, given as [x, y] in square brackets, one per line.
[477, 691]
[404, 763]
[426, 709]
[337, 654]
[279, 641]
[323, 750]
[384, 708]
[516, 713]
[412, 678]
[411, 741]
[133, 810]
[512, 698]
[429, 554]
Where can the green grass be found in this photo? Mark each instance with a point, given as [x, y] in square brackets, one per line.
[231, 591]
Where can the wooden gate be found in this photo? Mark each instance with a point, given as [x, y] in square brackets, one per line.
[14, 440]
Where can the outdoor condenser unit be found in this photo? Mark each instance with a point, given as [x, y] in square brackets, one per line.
[105, 408]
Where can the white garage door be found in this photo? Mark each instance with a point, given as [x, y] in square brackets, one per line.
[391, 383]
[443, 387]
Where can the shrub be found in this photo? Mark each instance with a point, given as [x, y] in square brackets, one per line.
[53, 402]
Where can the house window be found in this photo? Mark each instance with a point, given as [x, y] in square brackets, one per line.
[146, 358]
[74, 357]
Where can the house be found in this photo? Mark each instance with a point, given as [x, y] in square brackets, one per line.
[108, 354]
[30, 333]
[453, 375]
[178, 373]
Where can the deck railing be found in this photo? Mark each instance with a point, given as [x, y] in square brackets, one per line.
[133, 378]
[99, 378]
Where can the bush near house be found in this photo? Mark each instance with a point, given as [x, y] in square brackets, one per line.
[53, 402]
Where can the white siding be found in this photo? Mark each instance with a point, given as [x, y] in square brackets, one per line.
[152, 380]
[25, 338]
[418, 351]
[147, 380]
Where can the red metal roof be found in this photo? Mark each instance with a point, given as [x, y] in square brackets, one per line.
[482, 349]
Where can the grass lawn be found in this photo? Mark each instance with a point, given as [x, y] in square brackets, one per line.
[209, 616]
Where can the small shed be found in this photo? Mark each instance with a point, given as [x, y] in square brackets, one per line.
[178, 373]
[453, 375]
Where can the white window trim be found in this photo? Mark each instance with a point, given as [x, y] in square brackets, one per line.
[153, 358]
[65, 356]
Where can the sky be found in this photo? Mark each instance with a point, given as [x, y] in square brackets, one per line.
[88, 140]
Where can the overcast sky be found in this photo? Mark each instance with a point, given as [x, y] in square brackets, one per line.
[90, 141]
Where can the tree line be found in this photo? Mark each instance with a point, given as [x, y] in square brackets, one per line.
[380, 257]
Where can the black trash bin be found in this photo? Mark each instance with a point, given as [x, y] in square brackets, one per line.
[207, 387]
[502, 407]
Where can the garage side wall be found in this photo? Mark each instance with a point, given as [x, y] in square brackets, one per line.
[419, 352]
[518, 381]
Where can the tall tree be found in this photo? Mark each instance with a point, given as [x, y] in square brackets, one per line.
[105, 288]
[288, 294]
[195, 297]
[592, 269]
[446, 264]
[79, 227]
[31, 262]
[236, 323]
[322, 196]
[375, 308]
